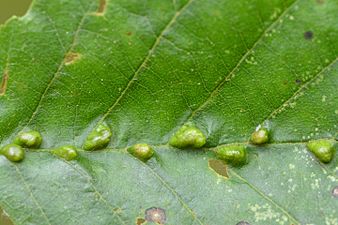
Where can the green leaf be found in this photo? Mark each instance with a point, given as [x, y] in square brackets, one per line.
[146, 68]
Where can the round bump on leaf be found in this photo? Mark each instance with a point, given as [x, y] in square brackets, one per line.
[99, 138]
[323, 149]
[68, 152]
[235, 154]
[188, 136]
[13, 152]
[29, 139]
[260, 136]
[141, 151]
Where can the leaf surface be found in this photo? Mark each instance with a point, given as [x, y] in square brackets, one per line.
[148, 67]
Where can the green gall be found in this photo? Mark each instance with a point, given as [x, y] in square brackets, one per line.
[188, 136]
[260, 136]
[67, 152]
[30, 139]
[323, 149]
[233, 154]
[141, 151]
[98, 139]
[13, 152]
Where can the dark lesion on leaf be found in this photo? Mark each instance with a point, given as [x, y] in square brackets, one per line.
[4, 218]
[4, 81]
[71, 58]
[298, 81]
[102, 7]
[140, 221]
[335, 192]
[156, 215]
[242, 223]
[308, 35]
[219, 167]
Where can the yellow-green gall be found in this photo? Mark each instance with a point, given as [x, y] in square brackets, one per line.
[99, 138]
[235, 154]
[141, 151]
[323, 149]
[29, 139]
[188, 136]
[68, 152]
[13, 152]
[260, 136]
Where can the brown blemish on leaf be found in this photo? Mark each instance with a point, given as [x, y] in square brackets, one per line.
[139, 221]
[102, 8]
[3, 86]
[129, 33]
[320, 1]
[308, 35]
[219, 167]
[156, 215]
[335, 192]
[4, 218]
[71, 58]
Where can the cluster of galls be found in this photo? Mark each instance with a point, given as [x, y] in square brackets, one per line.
[32, 140]
[15, 152]
[187, 137]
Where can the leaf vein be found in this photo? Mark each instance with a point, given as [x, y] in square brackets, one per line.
[145, 60]
[266, 197]
[89, 179]
[166, 185]
[31, 194]
[229, 76]
[60, 67]
[296, 94]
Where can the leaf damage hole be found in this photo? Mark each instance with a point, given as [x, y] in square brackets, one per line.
[71, 58]
[298, 81]
[102, 7]
[3, 86]
[140, 221]
[308, 35]
[335, 192]
[156, 215]
[219, 167]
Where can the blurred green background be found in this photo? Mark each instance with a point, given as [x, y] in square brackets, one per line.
[9, 8]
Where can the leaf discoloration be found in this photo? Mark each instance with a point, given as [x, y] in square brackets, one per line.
[219, 167]
[335, 192]
[156, 215]
[308, 35]
[102, 8]
[4, 82]
[71, 58]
